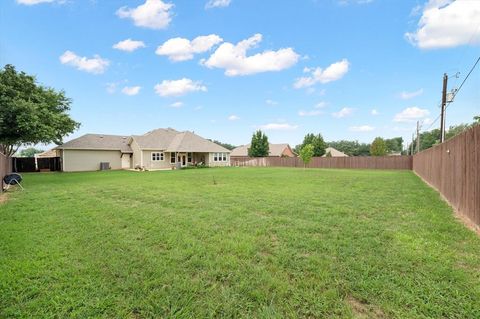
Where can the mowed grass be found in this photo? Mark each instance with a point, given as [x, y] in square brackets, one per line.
[259, 242]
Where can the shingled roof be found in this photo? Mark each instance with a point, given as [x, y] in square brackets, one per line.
[171, 140]
[98, 142]
[168, 140]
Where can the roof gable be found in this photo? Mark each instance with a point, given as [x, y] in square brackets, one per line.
[171, 140]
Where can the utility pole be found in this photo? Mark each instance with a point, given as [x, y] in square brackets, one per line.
[411, 144]
[444, 105]
[418, 136]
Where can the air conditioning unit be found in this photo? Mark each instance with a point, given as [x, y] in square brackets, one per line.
[104, 166]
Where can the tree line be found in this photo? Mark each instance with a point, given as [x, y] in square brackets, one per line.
[432, 137]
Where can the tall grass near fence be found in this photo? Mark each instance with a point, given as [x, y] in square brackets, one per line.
[453, 168]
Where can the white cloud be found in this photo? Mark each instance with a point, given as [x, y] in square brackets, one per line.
[446, 24]
[362, 128]
[427, 121]
[233, 117]
[153, 14]
[95, 65]
[321, 105]
[333, 72]
[310, 113]
[178, 87]
[411, 114]
[176, 104]
[346, 111]
[278, 127]
[34, 2]
[374, 112]
[217, 4]
[234, 59]
[410, 95]
[271, 102]
[129, 45]
[131, 90]
[180, 49]
[111, 87]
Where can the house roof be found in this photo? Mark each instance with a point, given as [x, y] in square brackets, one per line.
[334, 152]
[162, 139]
[171, 140]
[273, 150]
[49, 153]
[98, 142]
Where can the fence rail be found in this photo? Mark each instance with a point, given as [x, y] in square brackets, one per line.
[364, 162]
[453, 168]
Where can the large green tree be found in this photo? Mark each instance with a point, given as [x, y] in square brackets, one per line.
[378, 147]
[394, 145]
[316, 141]
[351, 148]
[259, 146]
[29, 152]
[31, 113]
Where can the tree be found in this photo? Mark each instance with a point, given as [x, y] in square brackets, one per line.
[476, 119]
[31, 113]
[259, 145]
[306, 154]
[454, 130]
[378, 147]
[226, 145]
[394, 145]
[316, 141]
[351, 148]
[29, 152]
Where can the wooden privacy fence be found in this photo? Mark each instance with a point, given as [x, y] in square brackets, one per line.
[365, 162]
[453, 168]
[5, 168]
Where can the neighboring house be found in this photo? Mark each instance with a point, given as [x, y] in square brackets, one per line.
[157, 149]
[48, 154]
[334, 152]
[395, 154]
[274, 150]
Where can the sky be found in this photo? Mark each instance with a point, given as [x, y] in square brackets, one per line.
[348, 69]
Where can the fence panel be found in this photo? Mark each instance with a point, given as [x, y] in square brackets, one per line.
[366, 162]
[453, 168]
[5, 168]
[24, 164]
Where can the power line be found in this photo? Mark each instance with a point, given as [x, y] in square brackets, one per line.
[463, 82]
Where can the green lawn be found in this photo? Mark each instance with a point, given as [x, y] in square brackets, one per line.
[260, 242]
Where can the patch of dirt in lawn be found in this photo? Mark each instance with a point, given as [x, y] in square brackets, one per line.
[364, 310]
[3, 198]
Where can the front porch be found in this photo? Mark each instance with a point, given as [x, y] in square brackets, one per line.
[185, 159]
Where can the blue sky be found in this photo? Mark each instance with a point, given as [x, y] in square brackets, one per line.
[351, 69]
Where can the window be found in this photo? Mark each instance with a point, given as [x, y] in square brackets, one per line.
[219, 157]
[189, 157]
[157, 156]
[172, 158]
